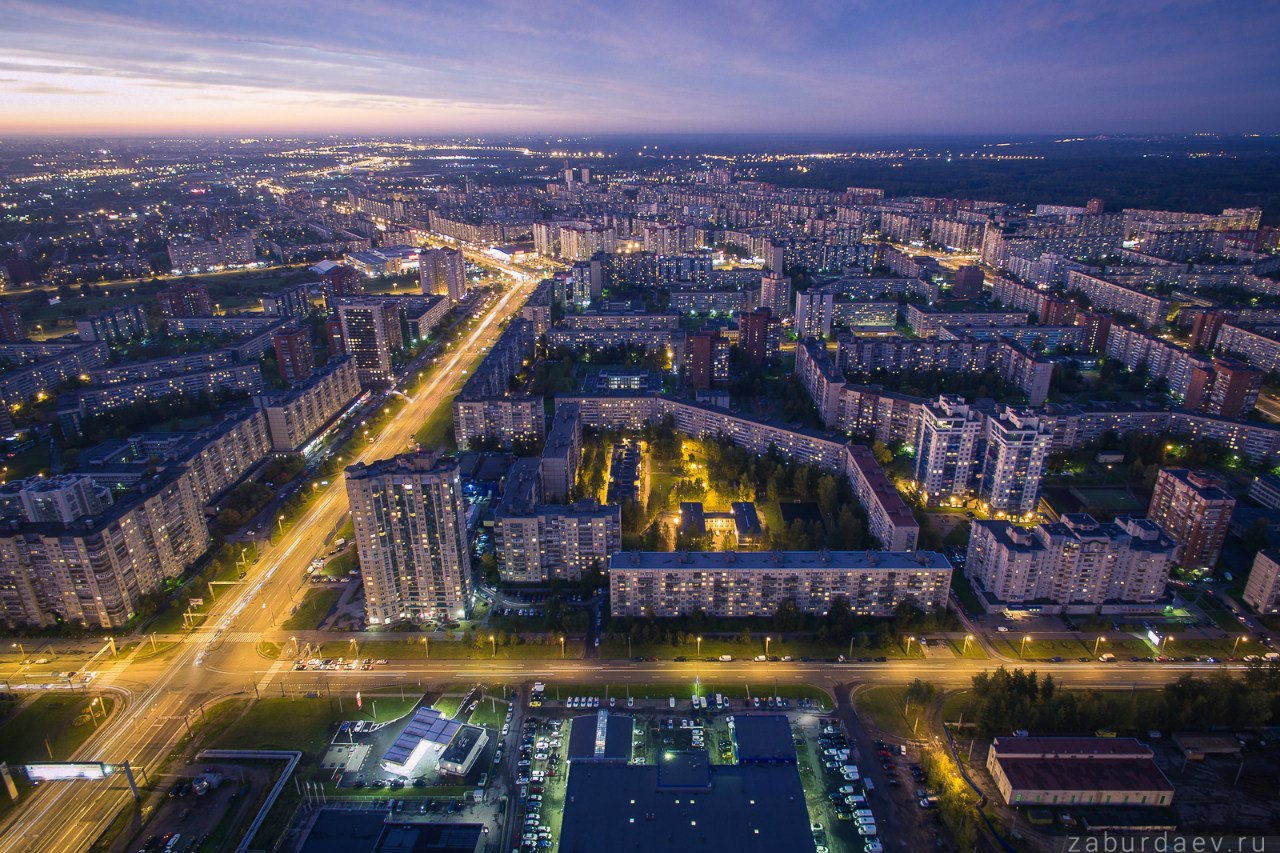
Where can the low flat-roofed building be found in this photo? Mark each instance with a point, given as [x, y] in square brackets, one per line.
[684, 803]
[375, 831]
[1197, 747]
[763, 739]
[427, 733]
[601, 737]
[463, 751]
[1077, 771]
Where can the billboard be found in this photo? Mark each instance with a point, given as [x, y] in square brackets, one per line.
[62, 770]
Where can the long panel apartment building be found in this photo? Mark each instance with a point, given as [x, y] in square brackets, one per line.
[486, 409]
[753, 583]
[296, 416]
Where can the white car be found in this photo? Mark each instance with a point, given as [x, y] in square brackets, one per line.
[873, 847]
[867, 830]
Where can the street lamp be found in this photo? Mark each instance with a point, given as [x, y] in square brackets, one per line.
[1243, 638]
[1023, 647]
[907, 648]
[699, 646]
[493, 641]
[20, 649]
[426, 647]
[967, 640]
[766, 645]
[562, 645]
[1101, 639]
[281, 524]
[1165, 639]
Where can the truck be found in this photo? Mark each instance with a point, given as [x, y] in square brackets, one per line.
[726, 658]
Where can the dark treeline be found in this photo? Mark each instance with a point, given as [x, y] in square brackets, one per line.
[1007, 700]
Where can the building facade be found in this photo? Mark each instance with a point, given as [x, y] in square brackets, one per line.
[753, 583]
[409, 517]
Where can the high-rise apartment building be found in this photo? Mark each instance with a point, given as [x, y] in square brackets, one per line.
[1228, 388]
[1097, 327]
[370, 333]
[409, 517]
[706, 358]
[775, 293]
[1018, 442]
[947, 451]
[339, 281]
[1076, 563]
[1262, 592]
[759, 335]
[443, 272]
[967, 283]
[187, 299]
[1195, 510]
[12, 329]
[815, 309]
[295, 356]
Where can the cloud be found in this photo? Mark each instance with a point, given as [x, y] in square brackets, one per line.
[719, 65]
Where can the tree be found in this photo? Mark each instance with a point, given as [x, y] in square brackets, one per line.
[920, 692]
[881, 452]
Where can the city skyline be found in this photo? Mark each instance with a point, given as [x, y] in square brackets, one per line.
[383, 67]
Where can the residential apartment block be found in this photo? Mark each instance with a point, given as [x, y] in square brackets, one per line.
[753, 583]
[409, 517]
[1075, 565]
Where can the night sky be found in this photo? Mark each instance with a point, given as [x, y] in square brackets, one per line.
[548, 66]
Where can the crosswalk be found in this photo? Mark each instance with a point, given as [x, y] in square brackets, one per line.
[271, 674]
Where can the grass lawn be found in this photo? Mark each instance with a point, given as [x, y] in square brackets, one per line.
[957, 703]
[714, 647]
[29, 462]
[490, 712]
[449, 650]
[313, 609]
[60, 720]
[968, 598]
[305, 724]
[1222, 617]
[882, 707]
[974, 652]
[342, 565]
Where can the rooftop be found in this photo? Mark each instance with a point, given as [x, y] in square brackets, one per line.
[763, 739]
[779, 560]
[427, 724]
[600, 737]
[687, 805]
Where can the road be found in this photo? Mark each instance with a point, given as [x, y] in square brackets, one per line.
[160, 698]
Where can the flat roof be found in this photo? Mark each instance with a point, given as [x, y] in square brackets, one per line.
[1082, 747]
[427, 724]
[600, 737]
[778, 560]
[764, 738]
[412, 837]
[744, 808]
[1083, 774]
[462, 744]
